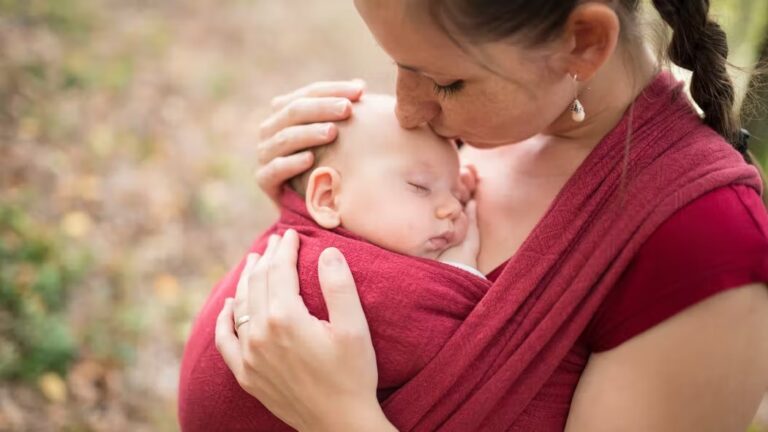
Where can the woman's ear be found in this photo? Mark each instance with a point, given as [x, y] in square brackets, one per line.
[322, 196]
[591, 36]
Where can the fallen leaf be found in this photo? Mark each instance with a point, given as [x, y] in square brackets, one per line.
[166, 287]
[53, 387]
[76, 224]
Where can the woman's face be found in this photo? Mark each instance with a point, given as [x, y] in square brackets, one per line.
[488, 95]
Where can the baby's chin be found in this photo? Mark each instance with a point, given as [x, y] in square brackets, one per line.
[422, 250]
[427, 249]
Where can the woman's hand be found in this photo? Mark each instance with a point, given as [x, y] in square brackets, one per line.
[466, 252]
[468, 180]
[312, 374]
[301, 120]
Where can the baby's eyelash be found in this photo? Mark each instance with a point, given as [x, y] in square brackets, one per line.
[450, 89]
[419, 187]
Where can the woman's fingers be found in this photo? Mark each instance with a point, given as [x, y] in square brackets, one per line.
[302, 120]
[305, 111]
[271, 176]
[471, 210]
[283, 276]
[295, 138]
[226, 339]
[241, 292]
[257, 292]
[468, 181]
[340, 293]
[351, 90]
[473, 230]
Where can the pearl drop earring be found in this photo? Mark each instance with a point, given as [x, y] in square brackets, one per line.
[577, 109]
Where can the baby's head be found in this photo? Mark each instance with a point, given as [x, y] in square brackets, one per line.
[394, 187]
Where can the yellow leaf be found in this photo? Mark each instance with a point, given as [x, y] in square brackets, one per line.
[76, 224]
[53, 387]
[102, 140]
[166, 287]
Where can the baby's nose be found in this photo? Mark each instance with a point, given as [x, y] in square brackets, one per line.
[450, 209]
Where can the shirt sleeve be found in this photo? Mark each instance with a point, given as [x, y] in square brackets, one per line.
[717, 242]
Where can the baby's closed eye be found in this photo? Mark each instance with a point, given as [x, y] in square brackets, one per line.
[420, 188]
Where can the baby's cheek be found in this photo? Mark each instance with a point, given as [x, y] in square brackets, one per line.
[401, 235]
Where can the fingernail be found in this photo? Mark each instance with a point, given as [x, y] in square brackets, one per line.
[340, 107]
[332, 257]
[327, 130]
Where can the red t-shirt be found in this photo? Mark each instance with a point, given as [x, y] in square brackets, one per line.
[715, 243]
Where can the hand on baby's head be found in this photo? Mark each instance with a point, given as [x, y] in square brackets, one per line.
[396, 188]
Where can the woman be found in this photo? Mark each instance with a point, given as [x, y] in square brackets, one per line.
[672, 334]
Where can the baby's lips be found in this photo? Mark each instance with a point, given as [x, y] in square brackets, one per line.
[438, 243]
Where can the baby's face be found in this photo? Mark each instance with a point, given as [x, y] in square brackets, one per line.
[399, 187]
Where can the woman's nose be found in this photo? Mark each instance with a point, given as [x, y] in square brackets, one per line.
[450, 209]
[415, 102]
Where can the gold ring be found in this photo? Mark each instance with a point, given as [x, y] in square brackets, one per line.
[242, 320]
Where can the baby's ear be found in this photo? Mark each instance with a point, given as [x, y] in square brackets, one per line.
[322, 196]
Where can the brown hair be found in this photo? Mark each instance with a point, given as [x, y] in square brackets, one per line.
[698, 43]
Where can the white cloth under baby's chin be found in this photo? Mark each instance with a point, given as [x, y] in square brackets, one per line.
[467, 268]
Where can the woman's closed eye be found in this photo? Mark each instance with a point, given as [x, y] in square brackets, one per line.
[448, 89]
[419, 188]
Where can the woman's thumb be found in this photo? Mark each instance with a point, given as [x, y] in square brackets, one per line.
[340, 293]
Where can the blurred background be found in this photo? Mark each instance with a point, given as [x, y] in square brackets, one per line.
[127, 135]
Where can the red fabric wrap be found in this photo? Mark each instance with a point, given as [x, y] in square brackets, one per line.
[480, 354]
[414, 305]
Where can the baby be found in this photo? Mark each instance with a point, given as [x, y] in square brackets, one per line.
[396, 188]
[387, 199]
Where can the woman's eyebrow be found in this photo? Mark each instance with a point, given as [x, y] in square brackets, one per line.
[419, 71]
[409, 68]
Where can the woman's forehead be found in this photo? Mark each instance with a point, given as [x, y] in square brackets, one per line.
[411, 37]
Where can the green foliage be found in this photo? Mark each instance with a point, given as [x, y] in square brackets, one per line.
[36, 270]
[69, 17]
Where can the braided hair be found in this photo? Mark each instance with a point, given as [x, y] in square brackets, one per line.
[700, 46]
